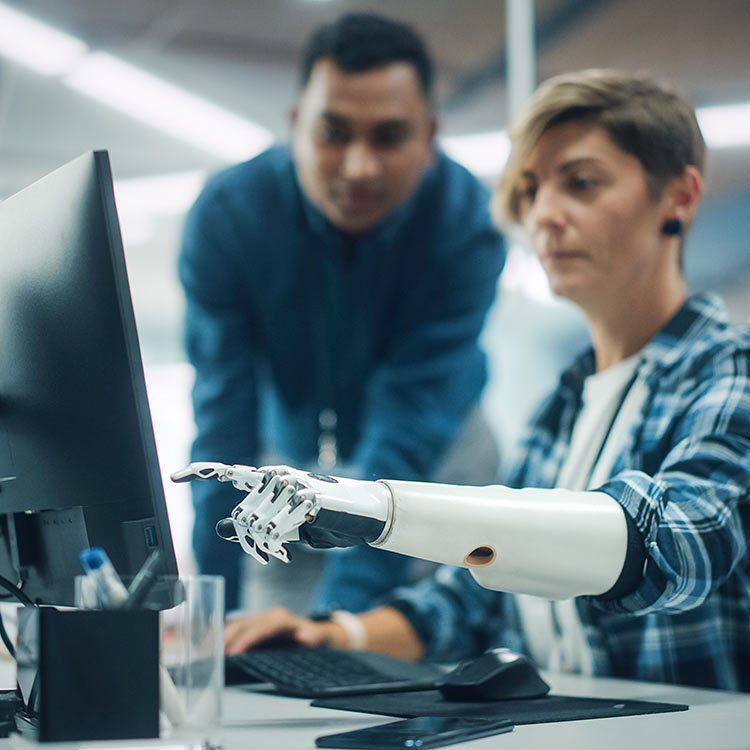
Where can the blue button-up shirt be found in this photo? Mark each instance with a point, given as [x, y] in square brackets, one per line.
[683, 477]
[287, 316]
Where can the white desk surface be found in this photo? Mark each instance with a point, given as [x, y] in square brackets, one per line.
[716, 720]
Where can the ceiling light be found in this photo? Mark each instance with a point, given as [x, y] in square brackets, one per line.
[128, 88]
[167, 107]
[36, 45]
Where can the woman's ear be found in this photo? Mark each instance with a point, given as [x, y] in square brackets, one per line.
[682, 197]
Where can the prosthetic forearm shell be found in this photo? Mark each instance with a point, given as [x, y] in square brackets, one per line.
[550, 543]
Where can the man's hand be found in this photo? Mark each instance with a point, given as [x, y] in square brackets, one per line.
[245, 631]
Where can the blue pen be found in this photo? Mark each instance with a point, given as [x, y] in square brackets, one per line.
[110, 590]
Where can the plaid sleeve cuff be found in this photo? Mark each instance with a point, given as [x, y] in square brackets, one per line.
[641, 499]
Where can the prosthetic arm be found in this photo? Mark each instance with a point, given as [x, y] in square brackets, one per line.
[550, 543]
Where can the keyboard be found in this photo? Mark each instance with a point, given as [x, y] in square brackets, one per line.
[323, 672]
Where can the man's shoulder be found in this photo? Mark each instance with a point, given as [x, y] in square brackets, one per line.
[271, 169]
[455, 184]
[455, 202]
[245, 205]
[248, 197]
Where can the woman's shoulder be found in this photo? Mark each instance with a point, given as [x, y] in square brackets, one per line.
[700, 342]
[722, 351]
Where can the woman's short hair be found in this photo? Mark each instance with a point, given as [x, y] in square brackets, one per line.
[645, 118]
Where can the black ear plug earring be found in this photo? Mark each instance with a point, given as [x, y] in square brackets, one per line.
[672, 227]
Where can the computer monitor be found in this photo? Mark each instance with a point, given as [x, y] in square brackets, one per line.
[78, 463]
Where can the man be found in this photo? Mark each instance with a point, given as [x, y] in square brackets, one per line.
[335, 293]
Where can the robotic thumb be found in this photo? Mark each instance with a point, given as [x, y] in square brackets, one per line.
[225, 529]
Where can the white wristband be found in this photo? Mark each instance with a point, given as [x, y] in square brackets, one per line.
[356, 635]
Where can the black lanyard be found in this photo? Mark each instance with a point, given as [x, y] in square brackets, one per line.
[610, 427]
[325, 380]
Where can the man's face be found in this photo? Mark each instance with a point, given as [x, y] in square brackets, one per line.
[361, 141]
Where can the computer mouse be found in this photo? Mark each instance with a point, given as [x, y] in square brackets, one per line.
[498, 674]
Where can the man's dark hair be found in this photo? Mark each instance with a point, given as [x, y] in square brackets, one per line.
[358, 42]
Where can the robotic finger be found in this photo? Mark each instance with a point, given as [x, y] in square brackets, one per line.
[262, 503]
[270, 515]
[283, 527]
[230, 531]
[242, 477]
[201, 470]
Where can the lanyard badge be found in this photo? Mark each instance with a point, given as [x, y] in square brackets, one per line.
[327, 448]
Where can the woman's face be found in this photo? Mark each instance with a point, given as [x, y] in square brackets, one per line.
[586, 206]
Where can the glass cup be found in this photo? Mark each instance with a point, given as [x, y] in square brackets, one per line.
[191, 649]
[192, 652]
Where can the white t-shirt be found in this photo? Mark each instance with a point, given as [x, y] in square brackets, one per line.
[553, 629]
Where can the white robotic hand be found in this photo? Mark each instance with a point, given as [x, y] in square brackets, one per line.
[288, 505]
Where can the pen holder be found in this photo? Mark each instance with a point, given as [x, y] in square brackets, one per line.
[96, 674]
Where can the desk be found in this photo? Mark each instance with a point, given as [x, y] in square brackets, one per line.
[716, 720]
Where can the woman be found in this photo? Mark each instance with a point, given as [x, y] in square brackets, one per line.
[637, 467]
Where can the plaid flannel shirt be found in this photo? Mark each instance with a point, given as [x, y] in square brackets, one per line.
[683, 476]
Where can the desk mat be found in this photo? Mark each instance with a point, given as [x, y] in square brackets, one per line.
[528, 711]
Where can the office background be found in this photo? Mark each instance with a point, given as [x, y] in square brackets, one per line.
[83, 74]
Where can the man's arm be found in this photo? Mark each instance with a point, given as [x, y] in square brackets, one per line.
[218, 345]
[435, 370]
